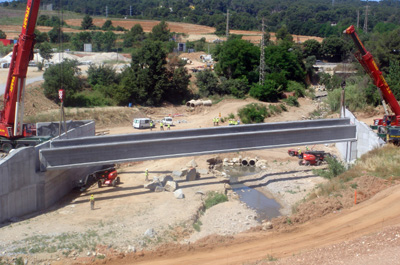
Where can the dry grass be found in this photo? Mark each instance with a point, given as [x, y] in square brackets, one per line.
[381, 163]
[104, 117]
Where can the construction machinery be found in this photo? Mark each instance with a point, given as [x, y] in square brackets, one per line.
[107, 176]
[388, 127]
[313, 158]
[13, 133]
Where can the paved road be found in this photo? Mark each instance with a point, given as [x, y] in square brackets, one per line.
[28, 81]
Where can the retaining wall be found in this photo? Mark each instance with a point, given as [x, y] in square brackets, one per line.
[25, 190]
[367, 140]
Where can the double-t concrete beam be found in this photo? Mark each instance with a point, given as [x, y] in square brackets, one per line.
[101, 150]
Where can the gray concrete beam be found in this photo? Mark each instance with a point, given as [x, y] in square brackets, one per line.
[199, 132]
[150, 149]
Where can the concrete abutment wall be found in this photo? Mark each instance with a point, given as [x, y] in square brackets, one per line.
[25, 190]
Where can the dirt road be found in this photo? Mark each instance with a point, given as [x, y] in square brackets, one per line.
[365, 218]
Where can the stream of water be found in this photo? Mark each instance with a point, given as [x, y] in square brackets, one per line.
[266, 208]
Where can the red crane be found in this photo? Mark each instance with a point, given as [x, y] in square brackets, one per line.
[367, 61]
[11, 117]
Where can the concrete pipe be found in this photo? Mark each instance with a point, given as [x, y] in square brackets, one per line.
[189, 103]
[252, 162]
[207, 103]
[196, 103]
[245, 162]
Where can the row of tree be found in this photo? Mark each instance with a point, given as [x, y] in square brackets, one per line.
[306, 17]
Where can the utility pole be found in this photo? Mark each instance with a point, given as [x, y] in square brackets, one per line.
[106, 11]
[366, 19]
[227, 24]
[130, 11]
[262, 57]
[333, 3]
[358, 18]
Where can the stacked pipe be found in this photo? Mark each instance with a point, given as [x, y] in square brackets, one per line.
[195, 103]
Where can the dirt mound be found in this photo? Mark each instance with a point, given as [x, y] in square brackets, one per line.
[366, 187]
[35, 101]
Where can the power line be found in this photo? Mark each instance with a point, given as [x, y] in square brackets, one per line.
[262, 57]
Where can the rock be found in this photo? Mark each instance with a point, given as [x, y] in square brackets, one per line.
[150, 233]
[214, 160]
[25, 261]
[191, 175]
[165, 179]
[202, 171]
[227, 186]
[192, 163]
[179, 173]
[131, 249]
[261, 163]
[226, 160]
[152, 185]
[159, 189]
[89, 253]
[179, 194]
[266, 225]
[236, 160]
[171, 186]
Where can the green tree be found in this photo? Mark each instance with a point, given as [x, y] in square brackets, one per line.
[237, 58]
[87, 22]
[107, 25]
[284, 61]
[178, 89]
[64, 76]
[5, 49]
[41, 37]
[160, 32]
[3, 35]
[145, 82]
[235, 87]
[56, 35]
[109, 41]
[103, 75]
[45, 52]
[334, 49]
[134, 35]
[311, 48]
[208, 83]
[393, 78]
[79, 39]
[283, 34]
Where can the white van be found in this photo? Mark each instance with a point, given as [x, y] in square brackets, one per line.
[167, 120]
[142, 123]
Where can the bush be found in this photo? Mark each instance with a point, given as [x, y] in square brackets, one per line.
[253, 113]
[335, 168]
[296, 87]
[267, 92]
[292, 101]
[236, 87]
[214, 198]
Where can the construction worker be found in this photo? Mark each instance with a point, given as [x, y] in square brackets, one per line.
[151, 125]
[161, 126]
[91, 202]
[299, 153]
[214, 121]
[307, 148]
[146, 173]
[169, 126]
[217, 120]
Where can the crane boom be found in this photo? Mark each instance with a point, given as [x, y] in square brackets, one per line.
[11, 117]
[367, 61]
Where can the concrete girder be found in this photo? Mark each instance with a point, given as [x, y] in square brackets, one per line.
[192, 145]
[199, 132]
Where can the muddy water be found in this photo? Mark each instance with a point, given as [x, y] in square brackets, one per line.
[266, 208]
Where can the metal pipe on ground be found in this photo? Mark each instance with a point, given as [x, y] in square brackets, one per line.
[245, 161]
